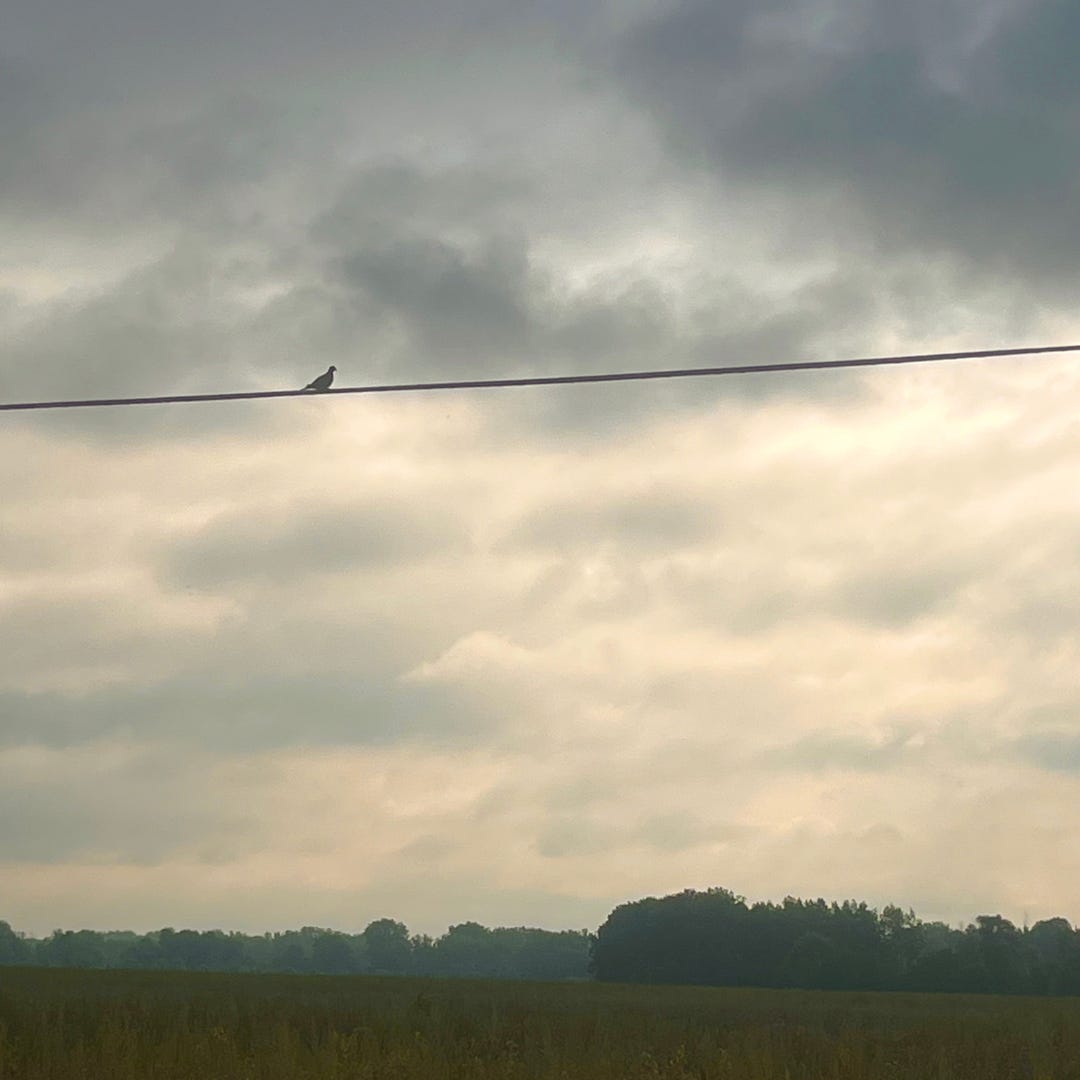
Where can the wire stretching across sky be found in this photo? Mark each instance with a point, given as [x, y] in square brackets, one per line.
[543, 380]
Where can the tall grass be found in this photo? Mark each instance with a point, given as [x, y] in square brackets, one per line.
[83, 1025]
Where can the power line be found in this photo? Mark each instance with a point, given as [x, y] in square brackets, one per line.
[543, 380]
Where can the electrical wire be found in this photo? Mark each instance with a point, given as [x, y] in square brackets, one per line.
[542, 380]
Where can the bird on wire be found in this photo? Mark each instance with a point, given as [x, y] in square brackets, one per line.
[323, 381]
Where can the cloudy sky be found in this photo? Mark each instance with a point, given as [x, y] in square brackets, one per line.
[519, 656]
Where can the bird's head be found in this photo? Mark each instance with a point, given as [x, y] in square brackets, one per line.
[332, 368]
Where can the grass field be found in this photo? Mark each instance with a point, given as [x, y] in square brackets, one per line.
[109, 1025]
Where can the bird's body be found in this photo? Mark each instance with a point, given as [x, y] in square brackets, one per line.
[323, 381]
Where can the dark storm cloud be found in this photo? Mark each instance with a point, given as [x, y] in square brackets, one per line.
[103, 170]
[132, 103]
[444, 263]
[446, 267]
[459, 308]
[199, 154]
[928, 127]
[270, 236]
[396, 195]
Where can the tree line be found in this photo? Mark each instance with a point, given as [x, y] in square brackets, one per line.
[715, 938]
[384, 948]
[712, 938]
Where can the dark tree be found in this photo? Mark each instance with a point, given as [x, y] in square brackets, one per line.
[333, 954]
[13, 949]
[388, 947]
[712, 937]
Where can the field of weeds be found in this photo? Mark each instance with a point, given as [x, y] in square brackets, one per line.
[109, 1025]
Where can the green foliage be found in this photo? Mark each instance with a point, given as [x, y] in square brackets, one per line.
[384, 948]
[715, 938]
[105, 1025]
[388, 946]
[13, 949]
[710, 938]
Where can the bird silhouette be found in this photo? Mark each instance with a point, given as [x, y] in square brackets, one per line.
[323, 381]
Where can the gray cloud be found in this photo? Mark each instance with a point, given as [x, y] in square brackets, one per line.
[140, 808]
[933, 130]
[297, 540]
[894, 594]
[444, 262]
[574, 836]
[649, 521]
[448, 268]
[831, 750]
[234, 716]
[1056, 750]
[550, 649]
[463, 308]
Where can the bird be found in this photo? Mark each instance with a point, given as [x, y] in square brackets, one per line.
[323, 381]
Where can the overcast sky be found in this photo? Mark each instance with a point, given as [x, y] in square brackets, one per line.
[520, 656]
